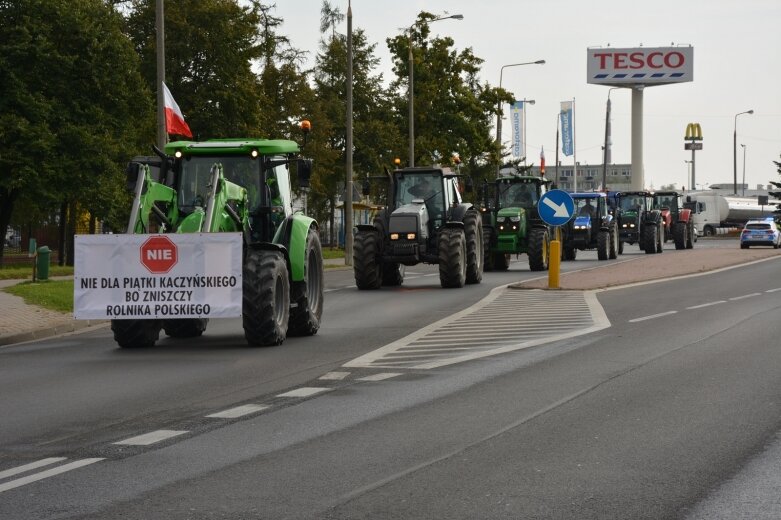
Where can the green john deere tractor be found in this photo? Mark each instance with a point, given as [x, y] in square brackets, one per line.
[512, 224]
[234, 185]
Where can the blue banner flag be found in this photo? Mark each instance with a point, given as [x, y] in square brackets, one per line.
[566, 128]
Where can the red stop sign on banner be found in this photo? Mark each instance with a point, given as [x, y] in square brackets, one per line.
[158, 254]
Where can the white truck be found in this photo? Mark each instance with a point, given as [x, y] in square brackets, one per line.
[718, 214]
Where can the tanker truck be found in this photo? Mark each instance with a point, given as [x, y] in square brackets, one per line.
[718, 214]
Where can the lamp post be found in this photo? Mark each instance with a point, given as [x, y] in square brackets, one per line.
[499, 107]
[743, 184]
[412, 83]
[688, 174]
[735, 151]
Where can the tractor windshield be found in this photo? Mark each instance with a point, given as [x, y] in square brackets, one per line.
[424, 186]
[632, 203]
[195, 178]
[665, 201]
[517, 195]
[586, 207]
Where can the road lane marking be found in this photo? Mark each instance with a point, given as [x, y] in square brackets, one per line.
[774, 290]
[48, 473]
[380, 377]
[151, 437]
[334, 376]
[706, 305]
[306, 391]
[492, 326]
[31, 466]
[239, 411]
[653, 316]
[745, 296]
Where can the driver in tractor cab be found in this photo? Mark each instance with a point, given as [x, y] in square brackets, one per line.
[587, 210]
[422, 189]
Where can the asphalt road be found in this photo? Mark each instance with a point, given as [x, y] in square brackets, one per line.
[644, 419]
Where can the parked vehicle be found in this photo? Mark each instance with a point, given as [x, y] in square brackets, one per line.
[716, 213]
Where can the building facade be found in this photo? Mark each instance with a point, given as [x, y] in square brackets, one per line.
[589, 176]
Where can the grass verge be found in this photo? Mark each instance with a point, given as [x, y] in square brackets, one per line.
[26, 272]
[332, 252]
[56, 295]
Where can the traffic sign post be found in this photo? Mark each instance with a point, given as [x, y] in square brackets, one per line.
[556, 208]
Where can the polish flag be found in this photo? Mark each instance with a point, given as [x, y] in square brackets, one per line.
[174, 120]
[542, 160]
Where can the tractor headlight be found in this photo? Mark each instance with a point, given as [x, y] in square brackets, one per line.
[631, 225]
[394, 236]
[410, 236]
[501, 227]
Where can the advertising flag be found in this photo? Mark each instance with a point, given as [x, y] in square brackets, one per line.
[566, 128]
[542, 161]
[174, 120]
[516, 117]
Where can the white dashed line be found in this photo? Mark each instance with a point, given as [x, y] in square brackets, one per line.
[774, 290]
[29, 467]
[706, 304]
[306, 391]
[380, 377]
[653, 316]
[334, 376]
[238, 411]
[745, 296]
[150, 438]
[46, 474]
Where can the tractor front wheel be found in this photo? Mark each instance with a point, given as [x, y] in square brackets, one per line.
[308, 293]
[452, 258]
[539, 243]
[473, 229]
[392, 274]
[603, 245]
[613, 253]
[650, 237]
[135, 333]
[680, 235]
[185, 328]
[266, 298]
[690, 238]
[367, 264]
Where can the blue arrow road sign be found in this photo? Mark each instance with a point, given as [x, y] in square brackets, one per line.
[556, 207]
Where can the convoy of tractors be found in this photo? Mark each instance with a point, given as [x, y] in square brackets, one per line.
[244, 186]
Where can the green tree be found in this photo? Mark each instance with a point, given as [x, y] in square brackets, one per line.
[375, 136]
[73, 108]
[454, 112]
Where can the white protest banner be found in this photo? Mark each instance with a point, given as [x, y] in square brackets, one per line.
[516, 116]
[192, 275]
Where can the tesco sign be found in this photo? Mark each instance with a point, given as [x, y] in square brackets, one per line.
[640, 65]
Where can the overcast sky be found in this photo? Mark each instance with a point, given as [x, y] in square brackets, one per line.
[737, 46]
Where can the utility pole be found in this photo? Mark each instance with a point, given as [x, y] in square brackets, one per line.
[162, 137]
[348, 202]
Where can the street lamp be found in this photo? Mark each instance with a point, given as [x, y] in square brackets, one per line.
[411, 84]
[735, 151]
[743, 185]
[499, 107]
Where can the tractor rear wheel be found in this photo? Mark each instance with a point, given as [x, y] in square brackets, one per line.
[473, 231]
[452, 257]
[266, 298]
[135, 333]
[501, 261]
[539, 243]
[690, 238]
[659, 241]
[620, 246]
[307, 295]
[367, 265]
[680, 234]
[613, 253]
[185, 328]
[392, 274]
[649, 239]
[603, 245]
[570, 253]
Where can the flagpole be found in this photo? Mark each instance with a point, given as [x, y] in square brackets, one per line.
[162, 137]
[558, 119]
[574, 149]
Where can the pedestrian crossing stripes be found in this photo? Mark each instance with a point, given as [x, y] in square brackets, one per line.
[506, 320]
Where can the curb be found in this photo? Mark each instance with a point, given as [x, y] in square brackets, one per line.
[48, 332]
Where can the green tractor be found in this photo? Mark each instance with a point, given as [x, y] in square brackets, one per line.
[512, 224]
[234, 185]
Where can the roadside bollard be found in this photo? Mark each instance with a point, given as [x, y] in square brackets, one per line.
[42, 261]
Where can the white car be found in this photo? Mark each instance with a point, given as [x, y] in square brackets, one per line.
[760, 233]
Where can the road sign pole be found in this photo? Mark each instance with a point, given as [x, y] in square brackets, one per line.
[554, 264]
